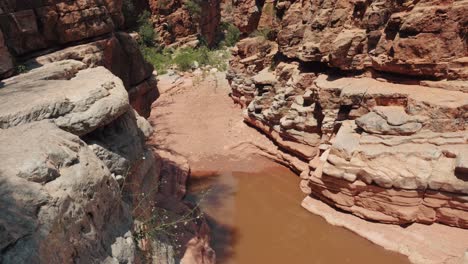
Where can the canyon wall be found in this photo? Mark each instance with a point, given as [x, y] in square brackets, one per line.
[78, 181]
[372, 97]
[182, 23]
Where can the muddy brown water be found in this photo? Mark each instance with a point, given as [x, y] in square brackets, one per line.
[256, 217]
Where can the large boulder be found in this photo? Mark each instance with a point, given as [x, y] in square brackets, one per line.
[86, 99]
[57, 194]
[119, 54]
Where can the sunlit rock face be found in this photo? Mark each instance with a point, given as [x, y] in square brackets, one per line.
[425, 38]
[372, 97]
[77, 160]
[54, 187]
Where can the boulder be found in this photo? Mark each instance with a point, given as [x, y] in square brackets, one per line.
[86, 100]
[54, 189]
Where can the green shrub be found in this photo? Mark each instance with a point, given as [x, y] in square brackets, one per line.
[185, 58]
[146, 30]
[160, 59]
[21, 68]
[231, 34]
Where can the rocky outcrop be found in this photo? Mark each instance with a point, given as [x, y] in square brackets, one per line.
[30, 26]
[106, 100]
[250, 15]
[77, 160]
[119, 54]
[55, 189]
[182, 23]
[423, 38]
[54, 29]
[417, 38]
[331, 90]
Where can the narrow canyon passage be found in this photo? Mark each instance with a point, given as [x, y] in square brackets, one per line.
[252, 203]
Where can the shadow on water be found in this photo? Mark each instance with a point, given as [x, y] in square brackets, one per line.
[203, 189]
[223, 239]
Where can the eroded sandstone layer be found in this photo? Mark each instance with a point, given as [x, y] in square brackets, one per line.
[372, 99]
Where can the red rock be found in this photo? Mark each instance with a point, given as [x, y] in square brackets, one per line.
[6, 63]
[32, 26]
[176, 26]
[385, 150]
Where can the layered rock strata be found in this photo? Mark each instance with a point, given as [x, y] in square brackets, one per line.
[182, 23]
[33, 25]
[371, 141]
[77, 174]
[249, 16]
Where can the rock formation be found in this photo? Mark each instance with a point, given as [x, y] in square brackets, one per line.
[182, 23]
[77, 161]
[32, 29]
[372, 98]
[76, 172]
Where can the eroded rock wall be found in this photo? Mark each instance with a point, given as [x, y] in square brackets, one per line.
[33, 25]
[183, 23]
[372, 98]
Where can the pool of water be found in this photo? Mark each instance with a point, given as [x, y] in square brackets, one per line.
[256, 217]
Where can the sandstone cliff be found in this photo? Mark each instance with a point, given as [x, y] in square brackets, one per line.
[372, 98]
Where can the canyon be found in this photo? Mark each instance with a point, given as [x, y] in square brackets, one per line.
[349, 115]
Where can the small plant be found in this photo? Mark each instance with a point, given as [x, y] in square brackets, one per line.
[21, 68]
[160, 59]
[146, 30]
[186, 58]
[157, 223]
[231, 34]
